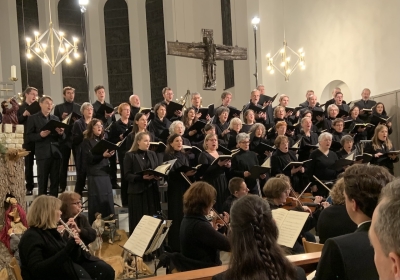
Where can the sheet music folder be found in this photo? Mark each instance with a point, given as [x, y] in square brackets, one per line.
[52, 125]
[147, 236]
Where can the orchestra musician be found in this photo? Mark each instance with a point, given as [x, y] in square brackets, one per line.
[380, 148]
[216, 174]
[45, 254]
[222, 124]
[97, 168]
[160, 123]
[237, 187]
[143, 193]
[77, 138]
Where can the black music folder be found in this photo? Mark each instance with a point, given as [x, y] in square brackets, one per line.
[224, 150]
[257, 170]
[296, 164]
[158, 147]
[366, 158]
[233, 113]
[52, 125]
[160, 171]
[265, 98]
[145, 110]
[262, 148]
[209, 110]
[102, 146]
[342, 113]
[71, 118]
[172, 107]
[104, 108]
[198, 126]
[221, 158]
[316, 113]
[375, 120]
[257, 109]
[33, 108]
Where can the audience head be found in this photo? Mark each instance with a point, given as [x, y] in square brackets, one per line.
[174, 144]
[139, 122]
[226, 98]
[94, 129]
[44, 212]
[100, 93]
[365, 94]
[168, 94]
[235, 124]
[380, 173]
[237, 187]
[87, 110]
[384, 232]
[199, 199]
[71, 204]
[134, 100]
[141, 142]
[243, 141]
[255, 251]
[258, 130]
[69, 94]
[31, 94]
[337, 192]
[196, 99]
[276, 190]
[160, 110]
[210, 142]
[177, 127]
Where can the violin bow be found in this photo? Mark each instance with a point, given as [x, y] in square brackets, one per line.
[329, 190]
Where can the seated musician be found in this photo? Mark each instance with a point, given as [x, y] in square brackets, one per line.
[281, 158]
[200, 240]
[255, 251]
[235, 127]
[380, 147]
[332, 113]
[322, 160]
[237, 187]
[360, 133]
[45, 254]
[160, 123]
[335, 221]
[348, 147]
[248, 120]
[384, 238]
[243, 160]
[337, 130]
[379, 111]
[351, 256]
[307, 137]
[221, 124]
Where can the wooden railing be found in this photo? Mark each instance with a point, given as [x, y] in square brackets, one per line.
[307, 261]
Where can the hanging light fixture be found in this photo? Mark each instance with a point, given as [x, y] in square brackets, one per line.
[51, 47]
[283, 57]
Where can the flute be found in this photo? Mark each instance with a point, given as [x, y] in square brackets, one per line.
[72, 234]
[78, 214]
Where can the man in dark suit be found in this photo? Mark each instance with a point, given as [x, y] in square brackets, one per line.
[340, 103]
[226, 98]
[312, 106]
[351, 256]
[62, 111]
[270, 111]
[31, 94]
[384, 232]
[332, 101]
[134, 101]
[365, 103]
[168, 95]
[305, 103]
[48, 155]
[261, 116]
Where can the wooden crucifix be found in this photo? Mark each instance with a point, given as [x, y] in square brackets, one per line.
[208, 52]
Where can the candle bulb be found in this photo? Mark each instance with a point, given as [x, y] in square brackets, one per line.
[13, 71]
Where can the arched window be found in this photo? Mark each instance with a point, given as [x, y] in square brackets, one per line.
[118, 51]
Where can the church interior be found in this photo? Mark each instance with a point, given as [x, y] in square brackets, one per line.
[144, 48]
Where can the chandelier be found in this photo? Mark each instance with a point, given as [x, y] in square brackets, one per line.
[51, 47]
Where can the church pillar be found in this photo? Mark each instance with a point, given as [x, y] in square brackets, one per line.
[96, 47]
[9, 46]
[52, 83]
[139, 51]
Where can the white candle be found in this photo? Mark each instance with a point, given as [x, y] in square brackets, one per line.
[13, 71]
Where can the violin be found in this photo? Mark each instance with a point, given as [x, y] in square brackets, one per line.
[296, 201]
[216, 220]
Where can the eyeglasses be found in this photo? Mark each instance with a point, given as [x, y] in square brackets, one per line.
[77, 203]
[245, 142]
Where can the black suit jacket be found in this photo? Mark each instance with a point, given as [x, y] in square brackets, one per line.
[47, 147]
[64, 108]
[101, 116]
[132, 165]
[349, 256]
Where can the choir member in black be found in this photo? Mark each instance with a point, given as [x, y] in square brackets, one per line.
[348, 147]
[284, 102]
[200, 240]
[62, 111]
[237, 187]
[337, 132]
[312, 106]
[106, 118]
[196, 105]
[280, 129]
[235, 127]
[281, 158]
[208, 129]
[216, 174]
[248, 120]
[360, 133]
[332, 113]
[116, 135]
[254, 231]
[379, 111]
[189, 118]
[257, 136]
[168, 95]
[160, 123]
[380, 148]
[305, 114]
[254, 98]
[322, 160]
[177, 127]
[226, 98]
[222, 124]
[177, 185]
[45, 254]
[47, 153]
[307, 137]
[31, 95]
[340, 103]
[77, 137]
[97, 167]
[143, 194]
[134, 102]
[365, 103]
[335, 221]
[332, 101]
[305, 103]
[139, 125]
[243, 160]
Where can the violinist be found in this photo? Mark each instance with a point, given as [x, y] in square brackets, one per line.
[237, 187]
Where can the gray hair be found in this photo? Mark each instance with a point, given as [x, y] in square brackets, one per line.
[235, 121]
[84, 106]
[324, 135]
[194, 93]
[241, 137]
[221, 110]
[387, 225]
[173, 125]
[346, 138]
[257, 126]
[304, 119]
[332, 106]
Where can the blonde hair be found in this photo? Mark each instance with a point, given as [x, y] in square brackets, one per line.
[121, 107]
[375, 140]
[208, 136]
[42, 213]
[337, 192]
[138, 137]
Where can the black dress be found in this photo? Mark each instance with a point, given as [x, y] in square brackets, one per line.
[219, 128]
[279, 160]
[383, 160]
[77, 137]
[243, 161]
[177, 186]
[230, 138]
[216, 177]
[304, 151]
[158, 127]
[358, 135]
[143, 195]
[100, 194]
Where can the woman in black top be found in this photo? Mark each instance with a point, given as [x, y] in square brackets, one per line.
[308, 139]
[380, 148]
[280, 129]
[235, 127]
[337, 133]
[333, 111]
[378, 111]
[360, 133]
[177, 185]
[160, 124]
[139, 124]
[256, 254]
[189, 119]
[216, 174]
[322, 161]
[201, 242]
[97, 166]
[77, 137]
[348, 147]
[257, 136]
[177, 127]
[222, 124]
[249, 120]
[143, 194]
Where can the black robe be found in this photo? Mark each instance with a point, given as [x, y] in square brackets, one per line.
[216, 177]
[143, 195]
[243, 161]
